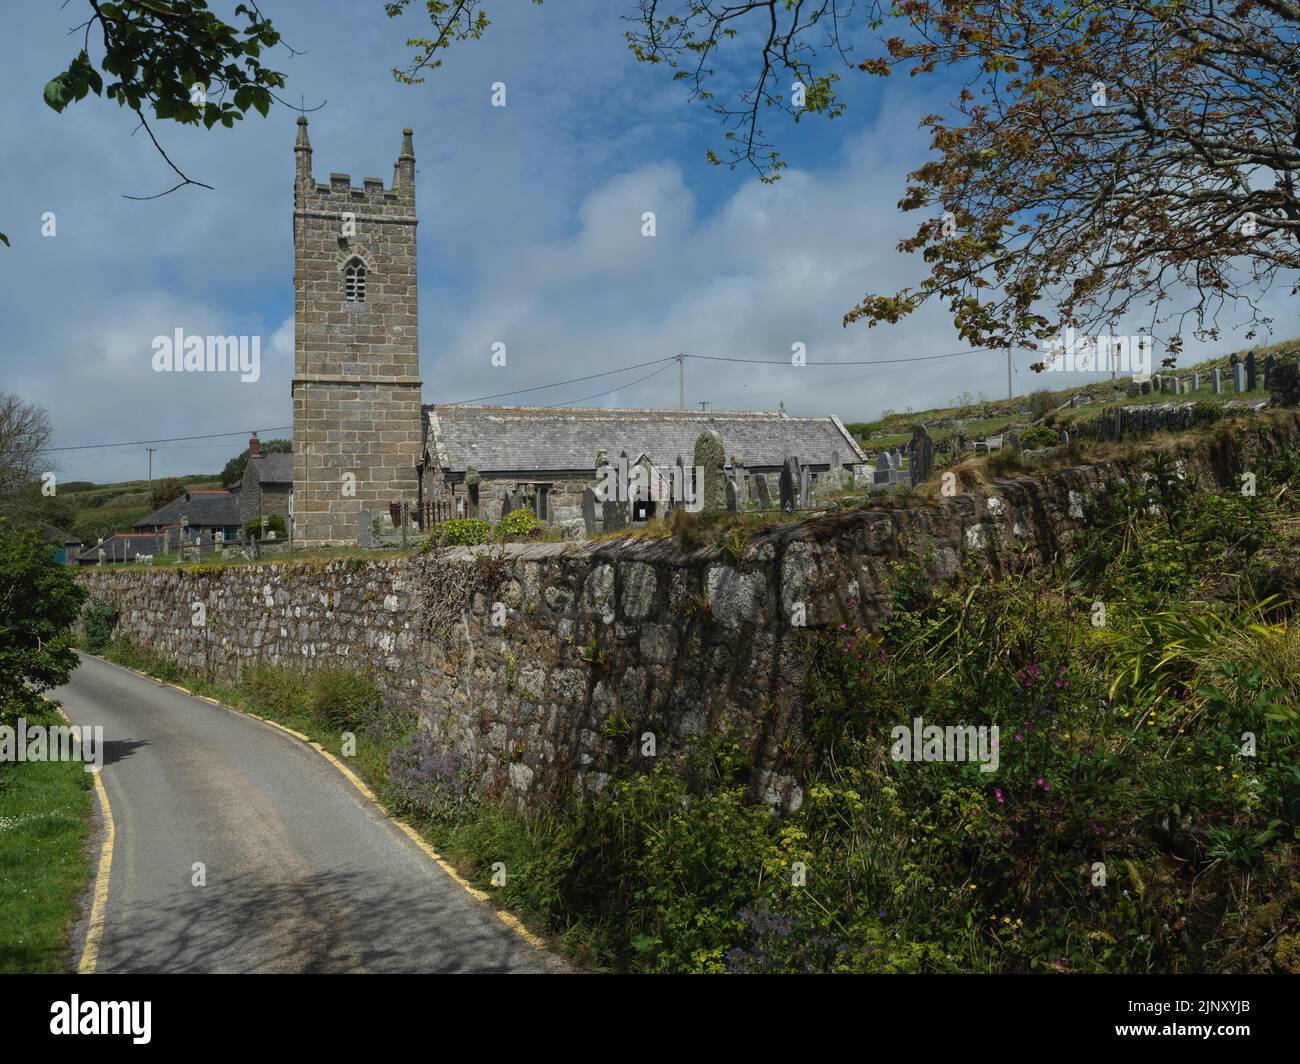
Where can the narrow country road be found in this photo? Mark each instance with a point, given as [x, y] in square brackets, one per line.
[303, 874]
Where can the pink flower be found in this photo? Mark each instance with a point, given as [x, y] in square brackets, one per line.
[997, 792]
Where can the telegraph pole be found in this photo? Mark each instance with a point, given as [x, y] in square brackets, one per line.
[681, 380]
[151, 451]
[1010, 393]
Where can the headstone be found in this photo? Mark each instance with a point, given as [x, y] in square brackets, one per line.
[100, 544]
[589, 512]
[471, 490]
[1065, 438]
[1251, 382]
[920, 455]
[790, 484]
[613, 516]
[895, 459]
[1146, 387]
[1216, 381]
[679, 483]
[741, 481]
[1239, 376]
[1013, 442]
[1270, 364]
[733, 496]
[884, 463]
[366, 530]
[710, 456]
[1196, 382]
[762, 491]
[1073, 402]
[805, 487]
[220, 539]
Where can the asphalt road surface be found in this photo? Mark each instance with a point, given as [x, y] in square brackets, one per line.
[303, 874]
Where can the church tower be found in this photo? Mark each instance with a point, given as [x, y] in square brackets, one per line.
[356, 381]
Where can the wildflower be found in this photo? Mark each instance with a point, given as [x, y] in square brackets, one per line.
[997, 793]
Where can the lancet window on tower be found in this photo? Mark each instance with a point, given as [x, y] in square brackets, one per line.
[354, 281]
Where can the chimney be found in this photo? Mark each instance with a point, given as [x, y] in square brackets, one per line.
[254, 446]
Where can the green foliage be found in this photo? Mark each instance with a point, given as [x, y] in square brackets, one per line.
[1037, 436]
[98, 618]
[337, 697]
[1042, 402]
[274, 523]
[516, 525]
[458, 532]
[1284, 384]
[39, 603]
[164, 491]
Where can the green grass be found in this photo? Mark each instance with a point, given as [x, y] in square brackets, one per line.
[44, 865]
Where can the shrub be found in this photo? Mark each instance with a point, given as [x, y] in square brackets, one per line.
[98, 618]
[342, 697]
[518, 524]
[39, 603]
[430, 782]
[274, 523]
[458, 532]
[1042, 401]
[1284, 384]
[1039, 436]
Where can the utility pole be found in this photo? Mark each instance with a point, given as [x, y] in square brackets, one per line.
[151, 451]
[704, 404]
[681, 380]
[1010, 393]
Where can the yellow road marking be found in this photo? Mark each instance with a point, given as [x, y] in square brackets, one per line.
[509, 919]
[95, 929]
[99, 899]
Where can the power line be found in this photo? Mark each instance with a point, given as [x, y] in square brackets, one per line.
[877, 362]
[172, 439]
[573, 380]
[552, 406]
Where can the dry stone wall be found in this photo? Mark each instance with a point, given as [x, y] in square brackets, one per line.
[544, 665]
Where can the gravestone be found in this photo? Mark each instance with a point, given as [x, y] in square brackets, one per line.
[883, 473]
[920, 455]
[1239, 376]
[1065, 438]
[1196, 382]
[1216, 381]
[507, 502]
[471, 490]
[762, 491]
[710, 457]
[220, 539]
[1251, 382]
[678, 494]
[589, 521]
[1146, 387]
[613, 516]
[895, 459]
[366, 530]
[789, 484]
[805, 487]
[1270, 364]
[1013, 442]
[739, 478]
[733, 496]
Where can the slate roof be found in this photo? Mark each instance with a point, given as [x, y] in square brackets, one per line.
[505, 439]
[205, 509]
[272, 468]
[54, 534]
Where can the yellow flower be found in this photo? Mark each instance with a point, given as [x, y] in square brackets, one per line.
[1218, 768]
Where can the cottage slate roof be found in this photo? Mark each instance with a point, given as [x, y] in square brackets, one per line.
[205, 509]
[271, 468]
[537, 439]
[54, 534]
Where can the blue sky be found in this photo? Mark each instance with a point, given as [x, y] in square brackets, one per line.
[530, 233]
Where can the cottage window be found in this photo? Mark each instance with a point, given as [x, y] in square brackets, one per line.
[354, 281]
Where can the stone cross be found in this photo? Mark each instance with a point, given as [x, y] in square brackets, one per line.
[1250, 372]
[1216, 381]
[789, 484]
[710, 457]
[220, 538]
[100, 544]
[1146, 387]
[920, 456]
[471, 490]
